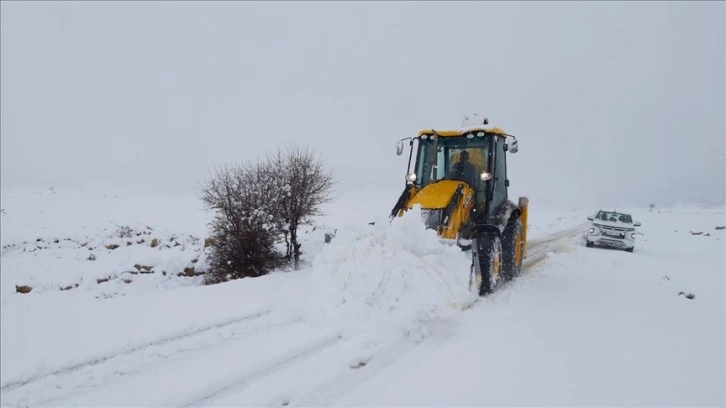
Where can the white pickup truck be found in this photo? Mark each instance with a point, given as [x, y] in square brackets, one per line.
[612, 229]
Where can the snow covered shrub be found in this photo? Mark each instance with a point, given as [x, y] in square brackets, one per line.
[260, 205]
[242, 229]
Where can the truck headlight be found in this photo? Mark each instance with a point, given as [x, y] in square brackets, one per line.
[411, 177]
[594, 230]
[484, 176]
[632, 235]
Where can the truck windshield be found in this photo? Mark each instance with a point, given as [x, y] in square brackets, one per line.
[455, 158]
[614, 217]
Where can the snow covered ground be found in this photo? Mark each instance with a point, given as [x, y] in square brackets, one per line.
[381, 316]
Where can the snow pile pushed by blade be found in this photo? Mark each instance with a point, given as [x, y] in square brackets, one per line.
[399, 272]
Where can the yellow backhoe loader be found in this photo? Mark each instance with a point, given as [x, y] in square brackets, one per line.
[459, 181]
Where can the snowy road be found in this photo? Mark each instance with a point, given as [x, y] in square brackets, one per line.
[251, 362]
[539, 248]
[252, 358]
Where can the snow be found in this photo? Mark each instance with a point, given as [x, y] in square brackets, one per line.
[393, 271]
[590, 327]
[380, 316]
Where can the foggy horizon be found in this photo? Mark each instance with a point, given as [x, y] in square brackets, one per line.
[612, 103]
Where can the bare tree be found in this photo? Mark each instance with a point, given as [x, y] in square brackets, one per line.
[304, 184]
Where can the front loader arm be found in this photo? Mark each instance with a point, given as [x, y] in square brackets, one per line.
[450, 208]
[402, 202]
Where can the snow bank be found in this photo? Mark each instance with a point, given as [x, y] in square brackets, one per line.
[146, 257]
[64, 239]
[397, 273]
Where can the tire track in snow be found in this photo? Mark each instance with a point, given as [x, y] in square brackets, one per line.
[539, 248]
[91, 379]
[333, 372]
[342, 381]
[279, 362]
[14, 385]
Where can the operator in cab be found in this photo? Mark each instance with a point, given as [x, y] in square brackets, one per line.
[464, 170]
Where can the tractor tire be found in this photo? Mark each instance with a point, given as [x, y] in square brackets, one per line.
[486, 263]
[512, 249]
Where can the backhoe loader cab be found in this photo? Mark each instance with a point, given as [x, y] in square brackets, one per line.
[459, 180]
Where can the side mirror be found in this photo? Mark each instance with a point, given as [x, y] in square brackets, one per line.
[637, 223]
[591, 218]
[399, 148]
[514, 147]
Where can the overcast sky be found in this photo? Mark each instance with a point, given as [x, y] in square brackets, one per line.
[612, 103]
